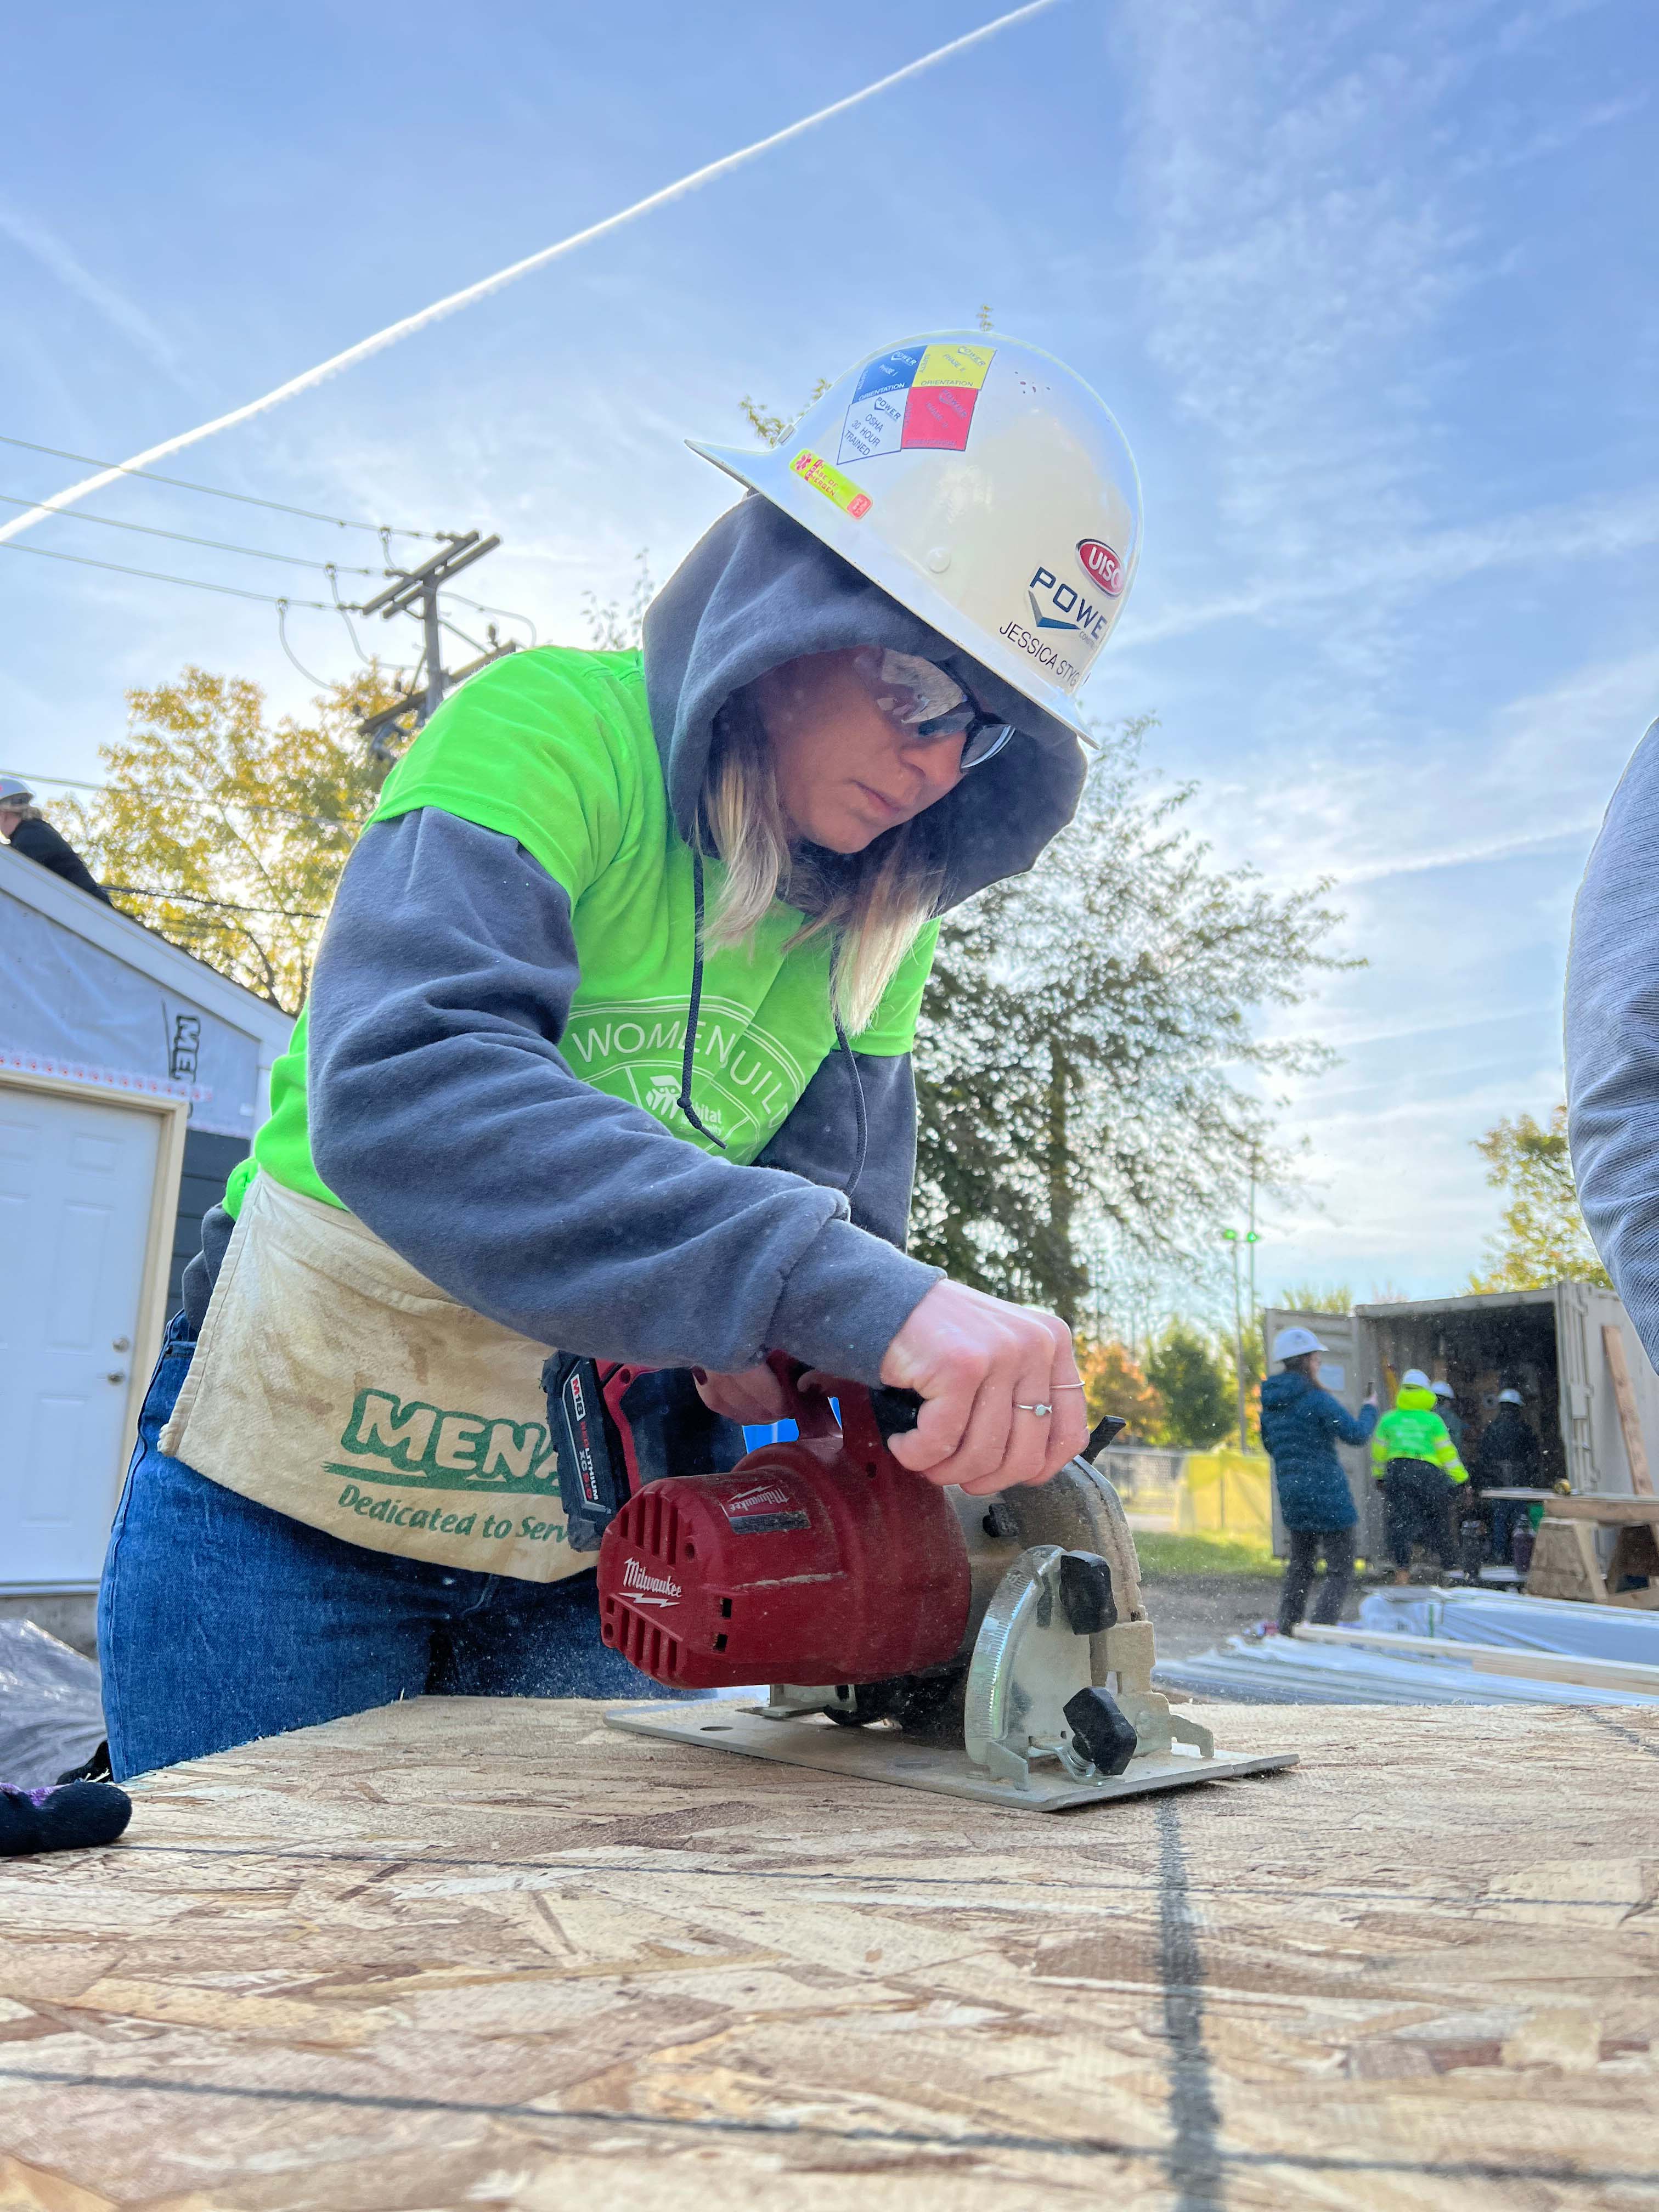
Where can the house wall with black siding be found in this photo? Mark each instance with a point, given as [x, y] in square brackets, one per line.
[207, 1161]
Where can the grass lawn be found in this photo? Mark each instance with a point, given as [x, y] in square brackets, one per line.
[1202, 1555]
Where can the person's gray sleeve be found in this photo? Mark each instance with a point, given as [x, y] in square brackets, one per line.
[443, 1115]
[819, 1141]
[1612, 1041]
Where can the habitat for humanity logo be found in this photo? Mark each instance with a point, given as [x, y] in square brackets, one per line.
[645, 1588]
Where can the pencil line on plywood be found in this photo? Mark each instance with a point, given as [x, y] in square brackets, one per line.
[1470, 2169]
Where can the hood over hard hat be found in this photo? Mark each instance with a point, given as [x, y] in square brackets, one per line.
[1292, 1343]
[982, 485]
[757, 590]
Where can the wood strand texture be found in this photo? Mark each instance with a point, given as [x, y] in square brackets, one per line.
[488, 1953]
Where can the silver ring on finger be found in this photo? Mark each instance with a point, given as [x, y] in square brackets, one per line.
[1039, 1409]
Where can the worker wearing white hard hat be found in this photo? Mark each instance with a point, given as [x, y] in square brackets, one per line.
[1510, 1456]
[609, 1048]
[1302, 1425]
[1446, 1404]
[26, 832]
[1417, 1463]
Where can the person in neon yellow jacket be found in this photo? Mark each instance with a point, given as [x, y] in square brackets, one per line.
[1413, 1457]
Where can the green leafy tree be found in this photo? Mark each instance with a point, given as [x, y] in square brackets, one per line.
[1087, 1039]
[1543, 1239]
[1196, 1385]
[1315, 1298]
[226, 832]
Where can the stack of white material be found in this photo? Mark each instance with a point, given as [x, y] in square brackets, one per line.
[1491, 1649]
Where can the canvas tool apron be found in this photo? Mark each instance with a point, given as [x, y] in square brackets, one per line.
[332, 1381]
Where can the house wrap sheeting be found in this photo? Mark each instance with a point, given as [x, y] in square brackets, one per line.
[70, 1006]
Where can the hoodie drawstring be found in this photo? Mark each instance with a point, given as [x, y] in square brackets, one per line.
[862, 1114]
[684, 1102]
[860, 1109]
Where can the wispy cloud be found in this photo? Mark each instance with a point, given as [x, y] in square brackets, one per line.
[1595, 530]
[121, 314]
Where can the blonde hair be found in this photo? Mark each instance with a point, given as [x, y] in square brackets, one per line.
[875, 903]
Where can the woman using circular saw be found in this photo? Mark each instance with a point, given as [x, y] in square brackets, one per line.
[608, 1049]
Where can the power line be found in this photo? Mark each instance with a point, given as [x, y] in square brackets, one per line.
[282, 635]
[182, 538]
[201, 898]
[309, 378]
[213, 492]
[155, 576]
[189, 798]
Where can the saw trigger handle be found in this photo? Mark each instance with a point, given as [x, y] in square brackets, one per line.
[895, 1411]
[1101, 1728]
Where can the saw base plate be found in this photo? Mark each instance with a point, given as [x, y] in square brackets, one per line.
[879, 1754]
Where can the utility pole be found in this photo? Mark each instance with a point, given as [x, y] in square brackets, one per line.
[414, 592]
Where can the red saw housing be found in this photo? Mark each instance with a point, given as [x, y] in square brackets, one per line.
[823, 1560]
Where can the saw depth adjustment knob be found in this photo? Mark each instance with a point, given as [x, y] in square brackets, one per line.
[1086, 1592]
[1100, 1727]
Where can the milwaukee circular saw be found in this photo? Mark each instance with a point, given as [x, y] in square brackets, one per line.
[993, 1647]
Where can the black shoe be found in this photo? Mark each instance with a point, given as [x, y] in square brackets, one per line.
[78, 1816]
[95, 1769]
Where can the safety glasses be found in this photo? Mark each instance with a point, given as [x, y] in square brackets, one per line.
[922, 702]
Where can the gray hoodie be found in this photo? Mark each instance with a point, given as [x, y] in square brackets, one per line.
[443, 1114]
[1613, 1040]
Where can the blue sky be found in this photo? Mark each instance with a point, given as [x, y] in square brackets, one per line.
[1369, 286]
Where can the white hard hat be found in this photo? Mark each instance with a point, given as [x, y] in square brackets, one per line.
[1415, 1379]
[14, 792]
[1443, 1390]
[1291, 1343]
[981, 485]
[1509, 1397]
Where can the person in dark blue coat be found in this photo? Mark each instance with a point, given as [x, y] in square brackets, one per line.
[1302, 1426]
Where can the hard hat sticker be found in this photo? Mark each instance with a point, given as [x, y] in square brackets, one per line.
[832, 482]
[916, 399]
[1102, 564]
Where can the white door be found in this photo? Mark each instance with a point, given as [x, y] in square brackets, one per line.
[76, 1186]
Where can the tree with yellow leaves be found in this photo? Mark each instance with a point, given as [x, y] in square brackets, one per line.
[1115, 1383]
[227, 832]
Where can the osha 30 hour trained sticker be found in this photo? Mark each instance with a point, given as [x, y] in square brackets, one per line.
[915, 399]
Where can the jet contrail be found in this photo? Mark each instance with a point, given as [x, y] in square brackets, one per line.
[395, 332]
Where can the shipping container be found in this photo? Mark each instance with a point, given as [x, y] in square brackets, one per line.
[1549, 1345]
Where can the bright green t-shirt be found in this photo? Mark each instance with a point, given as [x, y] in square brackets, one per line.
[554, 748]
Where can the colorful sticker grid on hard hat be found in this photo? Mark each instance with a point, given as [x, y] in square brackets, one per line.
[916, 399]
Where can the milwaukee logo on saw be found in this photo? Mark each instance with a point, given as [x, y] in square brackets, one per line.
[756, 1501]
[646, 1588]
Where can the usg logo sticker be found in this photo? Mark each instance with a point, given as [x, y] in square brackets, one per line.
[1100, 562]
[643, 1589]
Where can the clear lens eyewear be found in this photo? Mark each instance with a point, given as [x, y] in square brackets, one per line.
[925, 703]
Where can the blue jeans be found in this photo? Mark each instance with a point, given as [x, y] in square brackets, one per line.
[220, 1620]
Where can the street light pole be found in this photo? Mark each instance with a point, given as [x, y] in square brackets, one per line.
[1231, 1238]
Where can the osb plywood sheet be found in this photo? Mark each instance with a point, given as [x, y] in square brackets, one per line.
[488, 1953]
